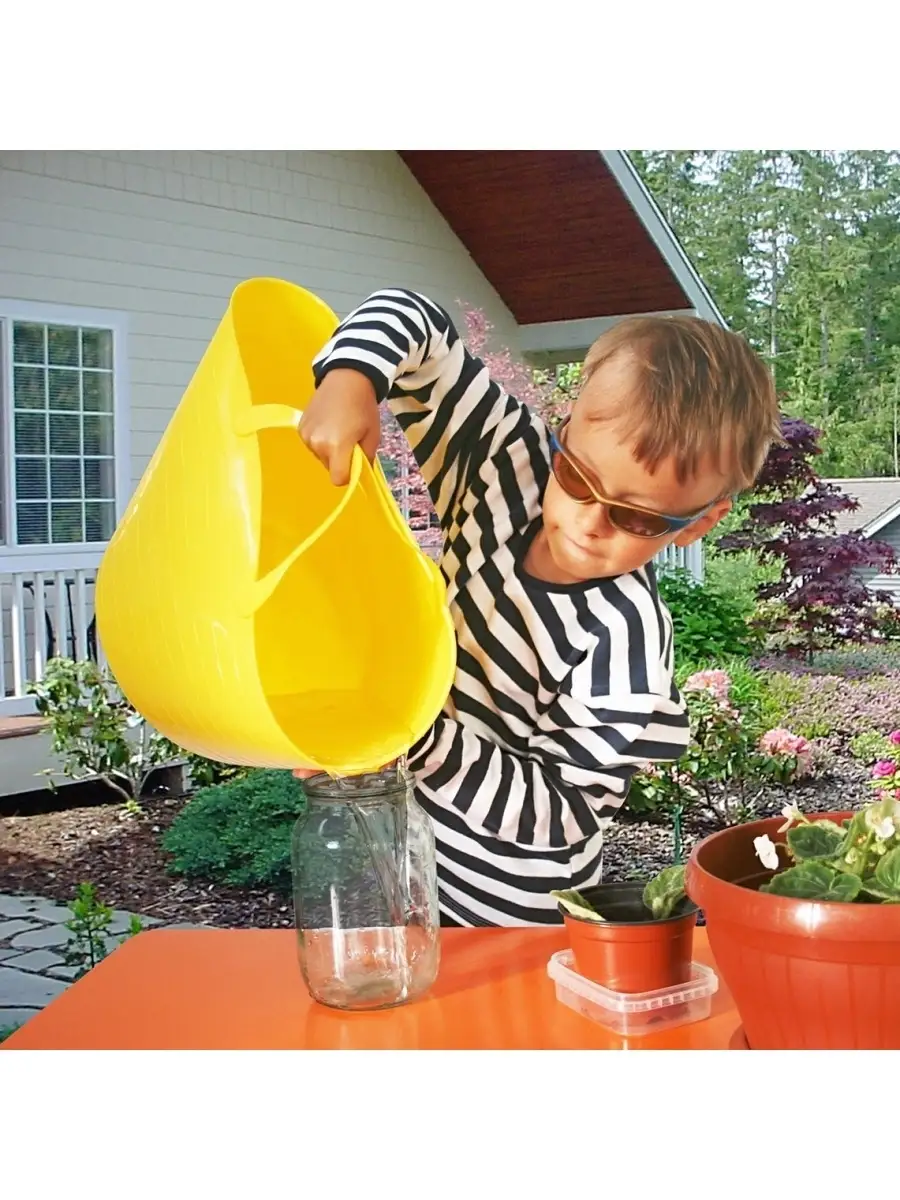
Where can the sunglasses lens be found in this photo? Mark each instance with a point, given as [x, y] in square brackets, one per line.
[637, 523]
[569, 479]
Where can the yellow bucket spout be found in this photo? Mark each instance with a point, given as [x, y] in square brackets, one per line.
[250, 610]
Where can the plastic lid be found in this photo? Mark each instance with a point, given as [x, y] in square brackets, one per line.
[703, 983]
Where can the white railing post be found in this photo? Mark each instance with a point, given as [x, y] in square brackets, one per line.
[28, 615]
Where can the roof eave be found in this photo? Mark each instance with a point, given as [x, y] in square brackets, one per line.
[662, 235]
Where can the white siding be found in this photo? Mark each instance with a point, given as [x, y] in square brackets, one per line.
[164, 237]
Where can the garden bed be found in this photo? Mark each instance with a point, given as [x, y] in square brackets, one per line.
[51, 853]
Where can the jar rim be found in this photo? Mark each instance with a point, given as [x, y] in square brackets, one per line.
[372, 785]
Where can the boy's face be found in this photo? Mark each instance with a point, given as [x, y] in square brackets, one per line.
[578, 541]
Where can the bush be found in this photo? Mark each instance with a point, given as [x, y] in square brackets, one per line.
[737, 577]
[727, 765]
[239, 832]
[709, 625]
[750, 690]
[859, 661]
[887, 621]
[95, 730]
[871, 746]
[819, 706]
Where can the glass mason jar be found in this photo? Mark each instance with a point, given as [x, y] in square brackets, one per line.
[365, 891]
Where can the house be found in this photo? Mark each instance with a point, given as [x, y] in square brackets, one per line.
[115, 268]
[878, 517]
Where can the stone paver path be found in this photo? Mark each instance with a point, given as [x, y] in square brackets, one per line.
[32, 968]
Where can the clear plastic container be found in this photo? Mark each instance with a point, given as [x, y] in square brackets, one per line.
[634, 1014]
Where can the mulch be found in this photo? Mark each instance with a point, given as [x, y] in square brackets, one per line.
[51, 853]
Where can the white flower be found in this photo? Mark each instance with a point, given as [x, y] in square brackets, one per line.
[791, 813]
[881, 825]
[766, 852]
[133, 720]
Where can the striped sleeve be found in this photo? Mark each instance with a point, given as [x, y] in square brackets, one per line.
[575, 772]
[453, 415]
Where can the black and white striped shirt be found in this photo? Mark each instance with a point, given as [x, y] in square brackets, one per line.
[561, 691]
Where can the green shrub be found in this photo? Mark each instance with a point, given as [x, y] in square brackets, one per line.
[736, 577]
[870, 746]
[858, 661]
[803, 702]
[709, 625]
[887, 621]
[239, 832]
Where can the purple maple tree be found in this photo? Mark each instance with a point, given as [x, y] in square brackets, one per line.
[819, 597]
[400, 467]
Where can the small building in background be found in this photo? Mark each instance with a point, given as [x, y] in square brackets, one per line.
[877, 517]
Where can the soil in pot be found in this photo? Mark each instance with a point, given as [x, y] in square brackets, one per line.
[804, 974]
[629, 951]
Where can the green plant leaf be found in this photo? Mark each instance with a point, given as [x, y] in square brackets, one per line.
[887, 873]
[815, 841]
[575, 904]
[664, 892]
[871, 888]
[814, 881]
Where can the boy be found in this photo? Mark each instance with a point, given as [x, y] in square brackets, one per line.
[564, 680]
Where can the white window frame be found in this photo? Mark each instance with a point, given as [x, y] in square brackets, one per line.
[56, 314]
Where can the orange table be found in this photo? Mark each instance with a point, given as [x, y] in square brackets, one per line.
[242, 989]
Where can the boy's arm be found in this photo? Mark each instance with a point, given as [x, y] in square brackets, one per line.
[573, 772]
[451, 412]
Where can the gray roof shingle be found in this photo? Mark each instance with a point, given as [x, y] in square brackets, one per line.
[875, 497]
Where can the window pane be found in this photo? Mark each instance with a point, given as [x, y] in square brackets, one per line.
[31, 433]
[100, 521]
[98, 393]
[65, 523]
[28, 343]
[100, 478]
[31, 479]
[98, 435]
[29, 384]
[96, 348]
[31, 520]
[62, 345]
[64, 391]
[65, 479]
[65, 433]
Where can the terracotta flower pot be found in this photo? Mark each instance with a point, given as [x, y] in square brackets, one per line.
[804, 974]
[629, 951]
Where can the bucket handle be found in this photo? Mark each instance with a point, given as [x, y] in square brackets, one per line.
[282, 416]
[267, 416]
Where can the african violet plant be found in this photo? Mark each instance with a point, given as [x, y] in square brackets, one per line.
[857, 860]
[661, 896]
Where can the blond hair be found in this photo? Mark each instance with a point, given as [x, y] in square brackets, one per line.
[700, 393]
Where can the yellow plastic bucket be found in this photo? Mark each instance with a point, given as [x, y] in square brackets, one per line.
[250, 610]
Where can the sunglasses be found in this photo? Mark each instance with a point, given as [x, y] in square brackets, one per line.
[628, 518]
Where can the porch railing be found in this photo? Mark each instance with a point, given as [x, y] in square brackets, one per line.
[46, 610]
[689, 558]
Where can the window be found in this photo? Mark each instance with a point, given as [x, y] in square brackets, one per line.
[59, 462]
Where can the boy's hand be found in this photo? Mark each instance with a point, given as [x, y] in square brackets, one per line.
[342, 414]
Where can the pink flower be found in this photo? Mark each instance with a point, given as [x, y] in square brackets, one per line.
[782, 742]
[716, 682]
[894, 737]
[883, 768]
